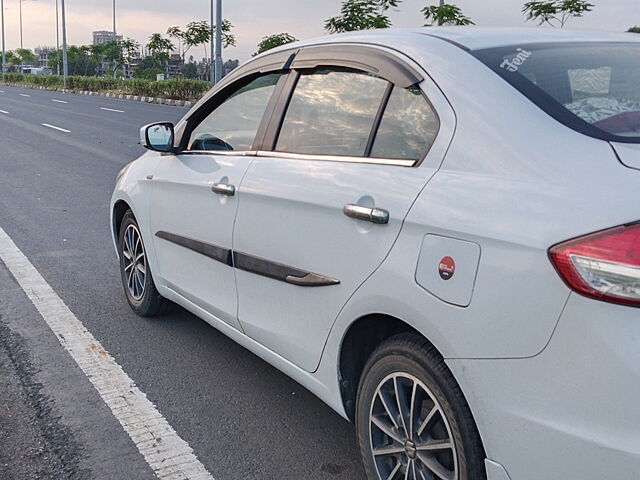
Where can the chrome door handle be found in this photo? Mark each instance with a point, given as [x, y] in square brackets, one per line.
[224, 189]
[373, 215]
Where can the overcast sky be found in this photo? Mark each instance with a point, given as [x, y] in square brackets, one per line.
[254, 19]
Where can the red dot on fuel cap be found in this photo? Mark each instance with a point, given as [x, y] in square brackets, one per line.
[446, 268]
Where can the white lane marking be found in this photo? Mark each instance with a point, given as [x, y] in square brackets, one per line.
[111, 110]
[58, 101]
[24, 95]
[1, 91]
[56, 128]
[168, 455]
[4, 111]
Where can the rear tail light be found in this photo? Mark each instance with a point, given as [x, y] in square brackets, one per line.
[604, 265]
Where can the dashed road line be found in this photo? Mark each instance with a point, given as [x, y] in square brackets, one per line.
[56, 128]
[24, 95]
[168, 455]
[1, 91]
[58, 101]
[111, 110]
[4, 111]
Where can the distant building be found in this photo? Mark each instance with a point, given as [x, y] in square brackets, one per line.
[42, 55]
[175, 66]
[104, 36]
[130, 68]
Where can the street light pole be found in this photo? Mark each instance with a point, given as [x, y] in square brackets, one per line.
[65, 66]
[21, 24]
[440, 19]
[218, 41]
[114, 20]
[4, 57]
[57, 39]
[212, 77]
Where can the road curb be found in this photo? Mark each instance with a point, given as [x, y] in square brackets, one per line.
[121, 96]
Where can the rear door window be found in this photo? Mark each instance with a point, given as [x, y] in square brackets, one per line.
[409, 126]
[332, 112]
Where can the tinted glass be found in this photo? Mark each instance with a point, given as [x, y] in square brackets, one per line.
[596, 84]
[233, 125]
[408, 128]
[331, 112]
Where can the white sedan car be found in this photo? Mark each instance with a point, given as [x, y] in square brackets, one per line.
[434, 230]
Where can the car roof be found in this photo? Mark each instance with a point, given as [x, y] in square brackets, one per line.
[476, 38]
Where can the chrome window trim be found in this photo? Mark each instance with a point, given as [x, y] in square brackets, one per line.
[339, 158]
[397, 162]
[222, 153]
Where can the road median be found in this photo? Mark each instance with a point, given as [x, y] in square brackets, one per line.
[174, 92]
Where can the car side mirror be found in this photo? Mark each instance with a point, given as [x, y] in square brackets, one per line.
[157, 137]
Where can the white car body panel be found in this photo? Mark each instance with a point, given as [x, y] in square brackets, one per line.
[205, 216]
[628, 153]
[578, 404]
[134, 189]
[291, 213]
[544, 370]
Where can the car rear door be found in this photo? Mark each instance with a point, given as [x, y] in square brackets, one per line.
[346, 154]
[195, 199]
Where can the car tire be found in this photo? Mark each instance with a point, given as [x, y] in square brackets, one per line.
[137, 280]
[437, 434]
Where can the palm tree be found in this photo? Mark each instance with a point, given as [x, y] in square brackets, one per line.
[160, 49]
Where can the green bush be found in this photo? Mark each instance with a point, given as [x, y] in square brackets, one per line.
[177, 88]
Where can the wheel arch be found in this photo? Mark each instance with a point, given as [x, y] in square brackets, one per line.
[358, 343]
[120, 207]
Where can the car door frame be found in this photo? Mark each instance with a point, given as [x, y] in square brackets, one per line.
[271, 63]
[393, 66]
[215, 98]
[366, 57]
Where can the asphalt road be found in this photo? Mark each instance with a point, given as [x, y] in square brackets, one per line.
[243, 418]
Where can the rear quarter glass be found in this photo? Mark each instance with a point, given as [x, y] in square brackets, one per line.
[592, 87]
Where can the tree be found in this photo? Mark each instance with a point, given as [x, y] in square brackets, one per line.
[229, 65]
[199, 33]
[190, 70]
[445, 14]
[160, 47]
[80, 60]
[555, 12]
[635, 29]
[148, 68]
[12, 60]
[55, 58]
[273, 41]
[24, 56]
[120, 52]
[97, 52]
[361, 15]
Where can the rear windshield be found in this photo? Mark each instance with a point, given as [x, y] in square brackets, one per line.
[591, 87]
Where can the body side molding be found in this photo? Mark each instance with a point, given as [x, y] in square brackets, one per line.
[215, 252]
[278, 271]
[250, 263]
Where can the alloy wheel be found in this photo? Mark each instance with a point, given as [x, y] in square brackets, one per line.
[410, 434]
[135, 262]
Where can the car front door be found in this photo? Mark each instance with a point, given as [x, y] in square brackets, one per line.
[321, 209]
[195, 198]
